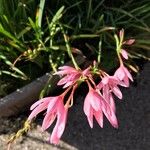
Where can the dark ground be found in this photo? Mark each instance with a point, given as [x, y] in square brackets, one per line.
[133, 113]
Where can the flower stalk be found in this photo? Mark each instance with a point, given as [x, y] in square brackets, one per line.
[69, 48]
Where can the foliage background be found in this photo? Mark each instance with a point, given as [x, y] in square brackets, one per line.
[32, 41]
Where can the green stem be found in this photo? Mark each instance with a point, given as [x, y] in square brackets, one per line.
[118, 48]
[68, 48]
[99, 51]
[120, 59]
[52, 64]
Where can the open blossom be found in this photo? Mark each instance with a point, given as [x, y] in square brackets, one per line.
[109, 85]
[71, 75]
[95, 105]
[123, 75]
[110, 100]
[54, 109]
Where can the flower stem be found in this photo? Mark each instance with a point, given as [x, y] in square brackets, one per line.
[120, 59]
[69, 102]
[118, 48]
[68, 48]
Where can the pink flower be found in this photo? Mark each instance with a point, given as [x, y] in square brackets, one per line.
[110, 101]
[71, 75]
[123, 75]
[95, 105]
[54, 109]
[108, 85]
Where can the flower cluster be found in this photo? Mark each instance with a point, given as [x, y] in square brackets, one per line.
[99, 101]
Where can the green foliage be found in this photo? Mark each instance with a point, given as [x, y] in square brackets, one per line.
[25, 38]
[34, 34]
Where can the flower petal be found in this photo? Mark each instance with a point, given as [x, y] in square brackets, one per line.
[129, 42]
[90, 117]
[128, 73]
[86, 106]
[37, 110]
[39, 102]
[63, 80]
[106, 92]
[105, 80]
[112, 102]
[126, 81]
[94, 99]
[117, 92]
[100, 85]
[66, 70]
[124, 54]
[120, 73]
[69, 68]
[110, 115]
[60, 124]
[53, 103]
[48, 120]
[86, 72]
[99, 117]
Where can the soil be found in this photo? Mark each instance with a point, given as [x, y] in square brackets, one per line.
[133, 113]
